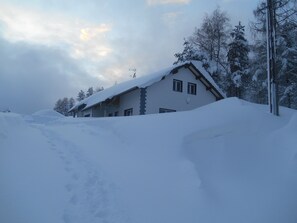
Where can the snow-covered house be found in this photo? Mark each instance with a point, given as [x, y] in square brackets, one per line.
[178, 88]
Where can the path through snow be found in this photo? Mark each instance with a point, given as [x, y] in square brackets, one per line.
[92, 198]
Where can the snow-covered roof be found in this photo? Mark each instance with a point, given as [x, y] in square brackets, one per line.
[142, 82]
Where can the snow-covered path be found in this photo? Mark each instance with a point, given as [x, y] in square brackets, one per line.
[91, 197]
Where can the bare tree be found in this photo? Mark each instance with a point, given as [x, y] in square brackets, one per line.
[212, 38]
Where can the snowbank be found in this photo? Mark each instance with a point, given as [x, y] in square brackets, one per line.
[48, 113]
[230, 161]
[44, 116]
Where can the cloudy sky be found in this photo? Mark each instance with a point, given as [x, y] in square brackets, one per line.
[51, 49]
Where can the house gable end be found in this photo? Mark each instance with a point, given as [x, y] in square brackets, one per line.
[199, 76]
[209, 86]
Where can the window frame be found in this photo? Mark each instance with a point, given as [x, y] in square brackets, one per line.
[177, 85]
[128, 112]
[192, 88]
[166, 110]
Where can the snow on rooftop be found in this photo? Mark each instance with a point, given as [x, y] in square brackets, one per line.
[140, 82]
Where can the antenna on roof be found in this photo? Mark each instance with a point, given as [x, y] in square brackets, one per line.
[134, 72]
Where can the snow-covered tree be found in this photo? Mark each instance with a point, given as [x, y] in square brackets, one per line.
[238, 62]
[99, 89]
[62, 106]
[287, 64]
[81, 95]
[257, 90]
[211, 39]
[71, 102]
[286, 50]
[58, 106]
[209, 44]
[90, 91]
[189, 53]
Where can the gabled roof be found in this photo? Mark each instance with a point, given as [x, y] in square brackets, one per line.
[144, 81]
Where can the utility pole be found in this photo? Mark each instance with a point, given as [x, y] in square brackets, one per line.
[271, 57]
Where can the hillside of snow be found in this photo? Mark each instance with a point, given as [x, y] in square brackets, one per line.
[228, 162]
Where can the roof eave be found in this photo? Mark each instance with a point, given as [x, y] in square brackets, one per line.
[124, 92]
[206, 82]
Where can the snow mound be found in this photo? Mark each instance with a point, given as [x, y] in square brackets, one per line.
[44, 116]
[48, 113]
[227, 162]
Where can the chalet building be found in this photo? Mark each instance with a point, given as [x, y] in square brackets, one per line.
[179, 88]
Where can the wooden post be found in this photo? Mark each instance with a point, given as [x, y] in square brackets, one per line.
[271, 57]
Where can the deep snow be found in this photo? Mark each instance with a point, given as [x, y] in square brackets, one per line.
[230, 161]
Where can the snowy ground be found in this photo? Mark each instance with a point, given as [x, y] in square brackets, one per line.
[227, 162]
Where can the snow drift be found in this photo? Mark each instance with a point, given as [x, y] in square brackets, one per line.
[230, 161]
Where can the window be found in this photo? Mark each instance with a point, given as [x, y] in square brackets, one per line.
[192, 88]
[128, 112]
[166, 110]
[177, 85]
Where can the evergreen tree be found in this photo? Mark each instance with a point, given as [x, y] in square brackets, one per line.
[238, 62]
[81, 95]
[258, 86]
[287, 65]
[90, 92]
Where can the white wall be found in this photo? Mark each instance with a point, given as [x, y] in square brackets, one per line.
[161, 94]
[87, 112]
[130, 100]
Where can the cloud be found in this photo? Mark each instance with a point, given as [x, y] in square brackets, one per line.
[34, 77]
[165, 2]
[170, 18]
[54, 55]
[54, 29]
[89, 33]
